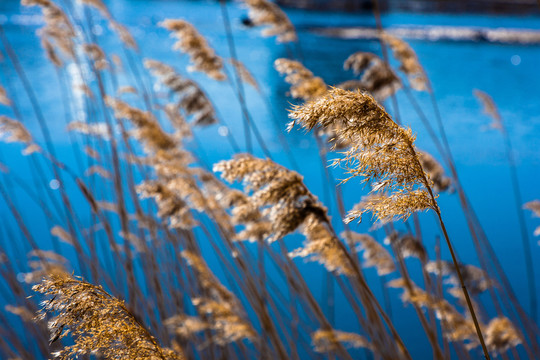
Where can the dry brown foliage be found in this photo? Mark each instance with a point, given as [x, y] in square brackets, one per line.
[4, 99]
[381, 152]
[14, 131]
[284, 200]
[374, 254]
[534, 206]
[266, 13]
[408, 245]
[192, 99]
[223, 312]
[189, 41]
[304, 85]
[475, 278]
[378, 78]
[326, 340]
[99, 323]
[501, 335]
[490, 109]
[408, 60]
[435, 171]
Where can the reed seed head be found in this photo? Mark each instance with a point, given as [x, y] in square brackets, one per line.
[381, 152]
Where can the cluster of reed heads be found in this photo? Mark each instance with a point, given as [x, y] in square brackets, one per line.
[155, 254]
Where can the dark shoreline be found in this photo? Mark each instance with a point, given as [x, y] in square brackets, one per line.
[503, 7]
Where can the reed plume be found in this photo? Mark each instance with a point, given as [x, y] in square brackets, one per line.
[455, 326]
[383, 154]
[191, 98]
[222, 310]
[14, 131]
[304, 85]
[501, 335]
[534, 206]
[97, 129]
[123, 33]
[407, 245]
[378, 78]
[202, 56]
[266, 13]
[245, 74]
[325, 341]
[4, 99]
[409, 63]
[96, 54]
[42, 263]
[374, 254]
[435, 171]
[175, 190]
[58, 32]
[22, 312]
[284, 200]
[98, 323]
[491, 109]
[192, 201]
[475, 278]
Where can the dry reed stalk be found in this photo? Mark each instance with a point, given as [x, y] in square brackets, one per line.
[98, 205]
[266, 13]
[58, 32]
[4, 99]
[189, 40]
[14, 131]
[123, 33]
[192, 99]
[374, 254]
[378, 78]
[483, 247]
[225, 314]
[98, 322]
[244, 73]
[409, 63]
[287, 203]
[304, 85]
[534, 206]
[491, 109]
[324, 341]
[399, 248]
[473, 223]
[383, 153]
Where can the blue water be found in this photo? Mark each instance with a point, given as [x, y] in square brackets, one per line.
[455, 69]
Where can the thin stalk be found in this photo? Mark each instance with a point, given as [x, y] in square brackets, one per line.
[463, 287]
[518, 202]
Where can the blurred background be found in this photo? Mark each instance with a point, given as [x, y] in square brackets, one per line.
[493, 46]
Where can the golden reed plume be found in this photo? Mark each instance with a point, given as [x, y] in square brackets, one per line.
[266, 13]
[98, 323]
[192, 43]
[381, 152]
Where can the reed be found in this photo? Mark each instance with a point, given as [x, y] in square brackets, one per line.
[148, 254]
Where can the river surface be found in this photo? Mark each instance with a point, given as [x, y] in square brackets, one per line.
[508, 72]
